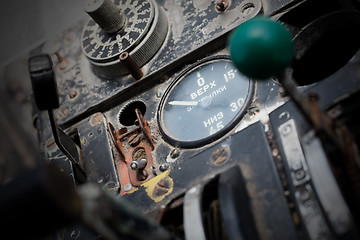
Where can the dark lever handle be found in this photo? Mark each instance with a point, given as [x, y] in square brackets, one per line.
[47, 98]
[43, 82]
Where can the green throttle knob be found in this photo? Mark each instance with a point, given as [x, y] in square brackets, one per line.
[261, 48]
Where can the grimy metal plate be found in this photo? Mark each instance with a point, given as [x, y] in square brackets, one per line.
[194, 26]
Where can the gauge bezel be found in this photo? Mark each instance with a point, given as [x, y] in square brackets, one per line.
[203, 141]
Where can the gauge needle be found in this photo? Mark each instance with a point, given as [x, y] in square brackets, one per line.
[183, 103]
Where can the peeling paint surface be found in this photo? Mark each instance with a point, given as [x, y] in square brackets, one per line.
[191, 24]
[151, 185]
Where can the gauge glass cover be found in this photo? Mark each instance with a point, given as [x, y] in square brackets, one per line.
[204, 103]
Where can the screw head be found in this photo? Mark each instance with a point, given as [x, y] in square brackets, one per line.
[286, 130]
[247, 9]
[220, 155]
[50, 144]
[134, 165]
[222, 5]
[73, 93]
[253, 110]
[175, 153]
[134, 140]
[163, 167]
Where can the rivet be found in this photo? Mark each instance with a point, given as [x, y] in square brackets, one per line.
[127, 187]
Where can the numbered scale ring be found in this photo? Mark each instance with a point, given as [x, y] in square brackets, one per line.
[204, 103]
[144, 30]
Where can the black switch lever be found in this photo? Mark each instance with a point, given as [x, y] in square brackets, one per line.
[47, 98]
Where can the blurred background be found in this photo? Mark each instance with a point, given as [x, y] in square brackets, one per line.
[24, 25]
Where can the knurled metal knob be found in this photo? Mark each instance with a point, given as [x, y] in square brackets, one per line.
[138, 165]
[106, 14]
[141, 36]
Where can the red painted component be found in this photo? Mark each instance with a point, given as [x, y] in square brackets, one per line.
[133, 145]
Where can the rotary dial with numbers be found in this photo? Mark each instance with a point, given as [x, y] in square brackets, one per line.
[144, 28]
[100, 46]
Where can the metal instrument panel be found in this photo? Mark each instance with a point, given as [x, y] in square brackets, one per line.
[196, 30]
[192, 26]
[94, 112]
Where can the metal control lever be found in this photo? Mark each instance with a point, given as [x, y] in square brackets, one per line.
[47, 98]
[262, 48]
[138, 165]
[135, 147]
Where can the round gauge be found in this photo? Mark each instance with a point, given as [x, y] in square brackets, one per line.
[204, 103]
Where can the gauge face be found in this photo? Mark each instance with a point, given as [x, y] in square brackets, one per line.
[100, 46]
[204, 103]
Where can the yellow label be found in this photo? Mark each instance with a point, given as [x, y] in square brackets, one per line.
[159, 187]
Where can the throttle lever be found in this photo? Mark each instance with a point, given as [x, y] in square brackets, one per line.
[46, 96]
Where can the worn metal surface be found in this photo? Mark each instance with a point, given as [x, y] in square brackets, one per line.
[328, 190]
[193, 221]
[134, 146]
[99, 165]
[249, 149]
[294, 154]
[197, 29]
[238, 218]
[191, 25]
[307, 204]
[304, 192]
